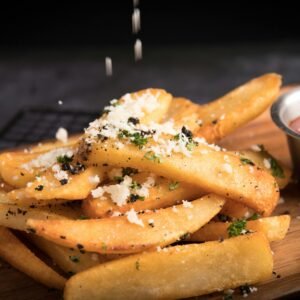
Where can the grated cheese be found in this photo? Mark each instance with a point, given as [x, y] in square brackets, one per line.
[187, 204]
[132, 217]
[267, 163]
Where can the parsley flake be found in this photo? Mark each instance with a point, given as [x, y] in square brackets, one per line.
[237, 228]
[246, 161]
[277, 170]
[173, 186]
[152, 156]
[74, 258]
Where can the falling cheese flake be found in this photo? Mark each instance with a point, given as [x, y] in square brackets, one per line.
[62, 135]
[138, 50]
[98, 192]
[132, 217]
[108, 66]
[136, 20]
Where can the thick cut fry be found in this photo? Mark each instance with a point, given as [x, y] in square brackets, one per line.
[16, 217]
[274, 228]
[164, 193]
[19, 256]
[118, 235]
[18, 168]
[78, 187]
[217, 119]
[206, 168]
[71, 261]
[236, 210]
[180, 272]
[266, 161]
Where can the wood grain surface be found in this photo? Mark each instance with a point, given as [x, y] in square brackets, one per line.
[14, 285]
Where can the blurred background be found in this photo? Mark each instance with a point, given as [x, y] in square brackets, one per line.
[56, 50]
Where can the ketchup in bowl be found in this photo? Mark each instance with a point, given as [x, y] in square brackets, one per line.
[295, 125]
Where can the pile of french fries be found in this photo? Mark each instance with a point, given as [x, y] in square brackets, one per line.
[144, 204]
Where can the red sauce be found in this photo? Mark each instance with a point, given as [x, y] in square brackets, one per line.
[295, 125]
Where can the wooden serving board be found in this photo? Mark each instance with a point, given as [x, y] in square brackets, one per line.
[15, 286]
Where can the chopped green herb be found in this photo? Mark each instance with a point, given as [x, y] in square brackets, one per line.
[135, 197]
[187, 132]
[191, 145]
[255, 216]
[246, 161]
[135, 185]
[137, 265]
[136, 138]
[74, 258]
[245, 289]
[129, 171]
[237, 228]
[173, 186]
[83, 217]
[39, 188]
[152, 156]
[62, 159]
[139, 140]
[277, 170]
[176, 137]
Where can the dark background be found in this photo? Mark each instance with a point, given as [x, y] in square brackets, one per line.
[52, 51]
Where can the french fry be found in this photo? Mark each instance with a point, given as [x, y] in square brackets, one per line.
[15, 217]
[219, 118]
[236, 210]
[161, 195]
[78, 187]
[180, 272]
[71, 261]
[274, 228]
[205, 168]
[266, 161]
[20, 257]
[118, 235]
[14, 165]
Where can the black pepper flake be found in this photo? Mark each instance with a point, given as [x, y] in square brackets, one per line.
[214, 122]
[79, 246]
[134, 121]
[62, 237]
[63, 181]
[39, 188]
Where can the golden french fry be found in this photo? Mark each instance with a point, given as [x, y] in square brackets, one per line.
[11, 169]
[210, 170]
[16, 217]
[274, 228]
[20, 257]
[118, 235]
[78, 187]
[71, 261]
[266, 161]
[217, 119]
[236, 210]
[164, 193]
[180, 272]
